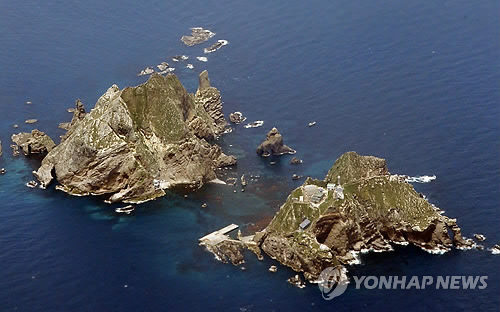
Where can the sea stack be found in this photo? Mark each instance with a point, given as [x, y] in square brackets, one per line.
[273, 145]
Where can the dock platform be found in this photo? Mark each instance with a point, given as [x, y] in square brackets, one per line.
[218, 236]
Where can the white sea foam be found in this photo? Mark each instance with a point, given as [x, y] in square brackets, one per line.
[254, 124]
[146, 71]
[217, 181]
[420, 179]
[179, 58]
[166, 71]
[495, 250]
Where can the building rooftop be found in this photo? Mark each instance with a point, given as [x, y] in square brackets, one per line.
[304, 224]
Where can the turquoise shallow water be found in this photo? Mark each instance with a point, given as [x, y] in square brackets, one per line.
[413, 82]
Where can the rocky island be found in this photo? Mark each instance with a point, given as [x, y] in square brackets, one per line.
[139, 141]
[359, 207]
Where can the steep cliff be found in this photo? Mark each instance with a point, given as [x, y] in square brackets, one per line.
[323, 222]
[137, 142]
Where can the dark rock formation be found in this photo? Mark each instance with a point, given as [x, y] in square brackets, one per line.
[237, 117]
[322, 224]
[138, 141]
[198, 35]
[273, 145]
[36, 142]
[295, 161]
[216, 46]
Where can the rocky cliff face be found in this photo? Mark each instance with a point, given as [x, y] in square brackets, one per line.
[369, 210]
[138, 141]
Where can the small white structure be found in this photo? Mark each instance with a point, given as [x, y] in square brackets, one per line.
[301, 198]
[338, 191]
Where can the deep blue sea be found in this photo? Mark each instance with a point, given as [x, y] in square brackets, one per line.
[415, 82]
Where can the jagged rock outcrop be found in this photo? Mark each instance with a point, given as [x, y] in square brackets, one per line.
[209, 98]
[295, 161]
[78, 114]
[273, 145]
[237, 117]
[198, 35]
[36, 142]
[137, 142]
[323, 223]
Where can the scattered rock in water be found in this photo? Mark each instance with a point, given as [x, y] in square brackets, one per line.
[202, 59]
[64, 125]
[146, 71]
[237, 117]
[273, 269]
[295, 161]
[179, 58]
[36, 142]
[243, 268]
[190, 66]
[273, 145]
[204, 205]
[31, 121]
[479, 247]
[231, 181]
[71, 110]
[15, 126]
[243, 180]
[198, 35]
[296, 177]
[32, 184]
[242, 189]
[28, 102]
[3, 171]
[272, 163]
[15, 149]
[296, 281]
[166, 71]
[479, 237]
[254, 124]
[311, 124]
[495, 250]
[216, 46]
[162, 66]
